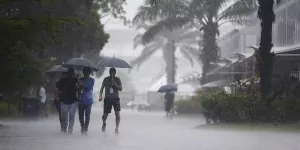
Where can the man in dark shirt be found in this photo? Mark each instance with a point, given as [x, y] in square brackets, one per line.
[112, 86]
[68, 99]
[57, 103]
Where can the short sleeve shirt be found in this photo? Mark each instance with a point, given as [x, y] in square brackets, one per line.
[111, 92]
[68, 88]
[42, 95]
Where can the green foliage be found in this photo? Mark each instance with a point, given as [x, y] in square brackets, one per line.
[114, 8]
[218, 106]
[249, 108]
[189, 106]
[37, 34]
[13, 111]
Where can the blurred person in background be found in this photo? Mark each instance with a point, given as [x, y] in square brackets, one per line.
[112, 86]
[69, 101]
[42, 98]
[86, 85]
[169, 102]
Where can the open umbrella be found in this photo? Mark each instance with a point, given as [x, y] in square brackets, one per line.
[57, 68]
[114, 62]
[79, 64]
[168, 88]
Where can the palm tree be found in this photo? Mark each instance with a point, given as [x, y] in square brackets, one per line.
[168, 42]
[267, 17]
[206, 15]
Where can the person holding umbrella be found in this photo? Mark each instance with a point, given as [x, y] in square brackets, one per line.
[86, 85]
[58, 95]
[170, 90]
[169, 102]
[68, 98]
[112, 86]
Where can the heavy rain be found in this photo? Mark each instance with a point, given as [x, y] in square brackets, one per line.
[150, 75]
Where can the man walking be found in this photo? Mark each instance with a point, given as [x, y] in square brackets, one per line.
[112, 85]
[86, 86]
[68, 88]
[57, 102]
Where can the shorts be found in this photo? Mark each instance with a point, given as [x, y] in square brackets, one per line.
[109, 103]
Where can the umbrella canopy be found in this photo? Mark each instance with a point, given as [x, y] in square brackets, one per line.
[57, 68]
[79, 64]
[168, 88]
[114, 62]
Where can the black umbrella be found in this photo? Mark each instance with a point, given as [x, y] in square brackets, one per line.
[57, 68]
[114, 62]
[168, 88]
[79, 64]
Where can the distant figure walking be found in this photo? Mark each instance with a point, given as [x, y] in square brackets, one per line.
[68, 88]
[169, 102]
[112, 86]
[86, 85]
[42, 104]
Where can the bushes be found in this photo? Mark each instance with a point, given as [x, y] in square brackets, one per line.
[250, 108]
[218, 106]
[190, 106]
[5, 110]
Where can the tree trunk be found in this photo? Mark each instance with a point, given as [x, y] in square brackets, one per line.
[267, 17]
[169, 55]
[210, 51]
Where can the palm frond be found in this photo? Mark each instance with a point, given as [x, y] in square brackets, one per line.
[158, 40]
[147, 52]
[190, 35]
[166, 24]
[192, 50]
[188, 56]
[145, 13]
[165, 9]
[239, 9]
[137, 40]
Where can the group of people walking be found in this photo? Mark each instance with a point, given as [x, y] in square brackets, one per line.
[74, 93]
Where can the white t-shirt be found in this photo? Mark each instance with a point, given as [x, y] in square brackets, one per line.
[42, 95]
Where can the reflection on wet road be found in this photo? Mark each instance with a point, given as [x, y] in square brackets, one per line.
[139, 131]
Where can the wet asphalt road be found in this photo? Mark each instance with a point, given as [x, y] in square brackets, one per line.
[139, 131]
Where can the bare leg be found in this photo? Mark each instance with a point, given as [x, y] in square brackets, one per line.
[104, 117]
[118, 119]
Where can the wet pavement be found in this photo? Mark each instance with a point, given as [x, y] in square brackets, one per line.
[139, 131]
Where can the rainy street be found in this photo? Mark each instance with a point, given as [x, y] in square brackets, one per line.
[139, 131]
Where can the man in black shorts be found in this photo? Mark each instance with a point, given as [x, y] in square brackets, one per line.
[112, 85]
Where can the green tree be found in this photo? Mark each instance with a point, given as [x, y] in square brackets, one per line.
[206, 15]
[36, 32]
[168, 42]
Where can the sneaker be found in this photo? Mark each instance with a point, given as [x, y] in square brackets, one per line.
[82, 130]
[70, 132]
[63, 130]
[103, 127]
[116, 131]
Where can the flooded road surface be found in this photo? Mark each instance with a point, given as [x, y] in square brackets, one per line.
[139, 131]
